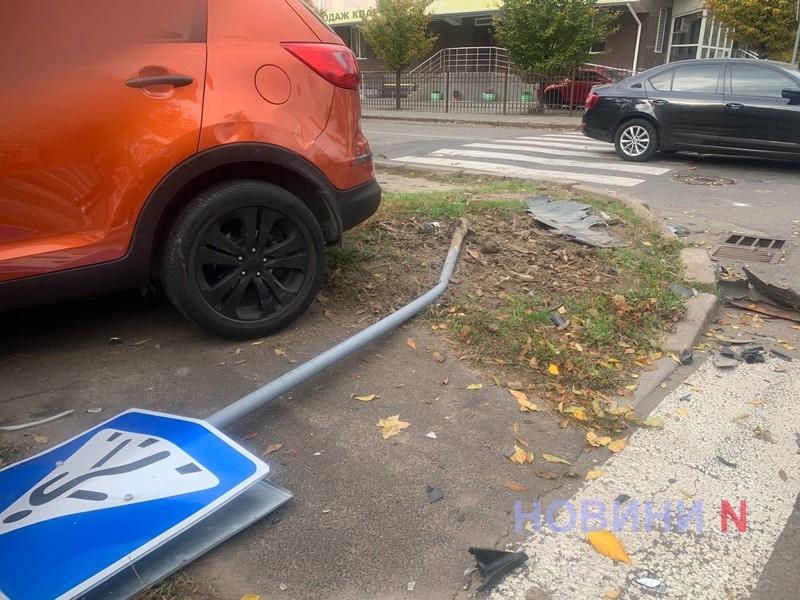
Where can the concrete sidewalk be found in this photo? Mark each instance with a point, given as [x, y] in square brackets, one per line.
[528, 121]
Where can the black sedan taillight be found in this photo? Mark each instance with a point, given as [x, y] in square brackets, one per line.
[591, 100]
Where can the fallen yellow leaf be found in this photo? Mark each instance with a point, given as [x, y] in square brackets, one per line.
[756, 401]
[552, 369]
[272, 448]
[392, 426]
[367, 398]
[578, 347]
[618, 445]
[280, 352]
[525, 405]
[555, 459]
[607, 544]
[411, 343]
[596, 474]
[596, 441]
[682, 412]
[474, 386]
[516, 487]
[611, 594]
[653, 422]
[251, 597]
[40, 439]
[521, 456]
[579, 414]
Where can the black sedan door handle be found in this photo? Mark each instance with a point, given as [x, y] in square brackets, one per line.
[734, 105]
[173, 80]
[659, 102]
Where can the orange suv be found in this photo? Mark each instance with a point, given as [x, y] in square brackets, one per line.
[212, 144]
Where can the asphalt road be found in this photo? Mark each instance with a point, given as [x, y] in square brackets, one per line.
[704, 193]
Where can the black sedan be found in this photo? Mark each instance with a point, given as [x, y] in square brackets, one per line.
[717, 106]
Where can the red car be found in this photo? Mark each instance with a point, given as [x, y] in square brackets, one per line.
[214, 145]
[574, 92]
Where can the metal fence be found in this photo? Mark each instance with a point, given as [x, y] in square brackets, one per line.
[482, 92]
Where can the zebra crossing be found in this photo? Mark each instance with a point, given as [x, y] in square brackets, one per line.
[557, 157]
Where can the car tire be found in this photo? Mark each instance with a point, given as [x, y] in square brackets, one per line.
[553, 99]
[636, 140]
[244, 259]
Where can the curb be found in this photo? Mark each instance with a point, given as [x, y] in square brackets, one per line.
[469, 121]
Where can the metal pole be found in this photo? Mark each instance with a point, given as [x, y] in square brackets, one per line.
[266, 394]
[797, 35]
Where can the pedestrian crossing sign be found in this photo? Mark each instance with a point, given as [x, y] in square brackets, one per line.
[75, 515]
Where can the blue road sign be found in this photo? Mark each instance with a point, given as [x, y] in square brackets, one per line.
[75, 515]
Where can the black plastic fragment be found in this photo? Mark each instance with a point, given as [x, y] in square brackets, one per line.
[114, 341]
[730, 353]
[781, 355]
[753, 354]
[686, 357]
[493, 564]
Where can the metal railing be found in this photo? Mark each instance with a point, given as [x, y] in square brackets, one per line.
[479, 92]
[466, 59]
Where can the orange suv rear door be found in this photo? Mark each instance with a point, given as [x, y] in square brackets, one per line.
[100, 101]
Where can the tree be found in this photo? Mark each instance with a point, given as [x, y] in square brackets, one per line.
[767, 26]
[397, 32]
[551, 36]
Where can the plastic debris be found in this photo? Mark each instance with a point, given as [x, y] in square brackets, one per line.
[115, 341]
[622, 498]
[685, 398]
[35, 423]
[411, 585]
[682, 290]
[686, 357]
[753, 354]
[652, 584]
[724, 362]
[493, 564]
[781, 355]
[431, 434]
[94, 411]
[430, 227]
[679, 230]
[283, 587]
[571, 220]
[726, 462]
[434, 494]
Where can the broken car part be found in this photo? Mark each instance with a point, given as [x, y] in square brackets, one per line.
[571, 220]
[493, 564]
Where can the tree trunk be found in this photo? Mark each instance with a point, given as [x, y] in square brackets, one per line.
[397, 89]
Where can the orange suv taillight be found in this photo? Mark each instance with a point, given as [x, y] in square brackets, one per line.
[334, 63]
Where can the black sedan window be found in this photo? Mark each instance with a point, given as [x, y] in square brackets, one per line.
[697, 78]
[663, 81]
[747, 80]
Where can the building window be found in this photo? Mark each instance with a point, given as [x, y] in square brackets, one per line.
[661, 30]
[598, 47]
[697, 35]
[355, 42]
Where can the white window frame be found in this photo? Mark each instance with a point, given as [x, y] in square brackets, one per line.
[661, 29]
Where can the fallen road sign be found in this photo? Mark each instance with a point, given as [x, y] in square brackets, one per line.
[72, 517]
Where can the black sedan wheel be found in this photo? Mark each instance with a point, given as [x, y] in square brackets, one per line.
[636, 140]
[244, 259]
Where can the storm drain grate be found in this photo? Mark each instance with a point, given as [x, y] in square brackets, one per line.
[752, 249]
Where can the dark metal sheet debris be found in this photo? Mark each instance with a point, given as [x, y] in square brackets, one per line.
[747, 295]
[784, 295]
[572, 220]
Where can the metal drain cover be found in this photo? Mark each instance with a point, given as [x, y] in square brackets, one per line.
[735, 246]
[703, 179]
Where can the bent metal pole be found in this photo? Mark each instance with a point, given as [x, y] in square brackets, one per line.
[266, 394]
